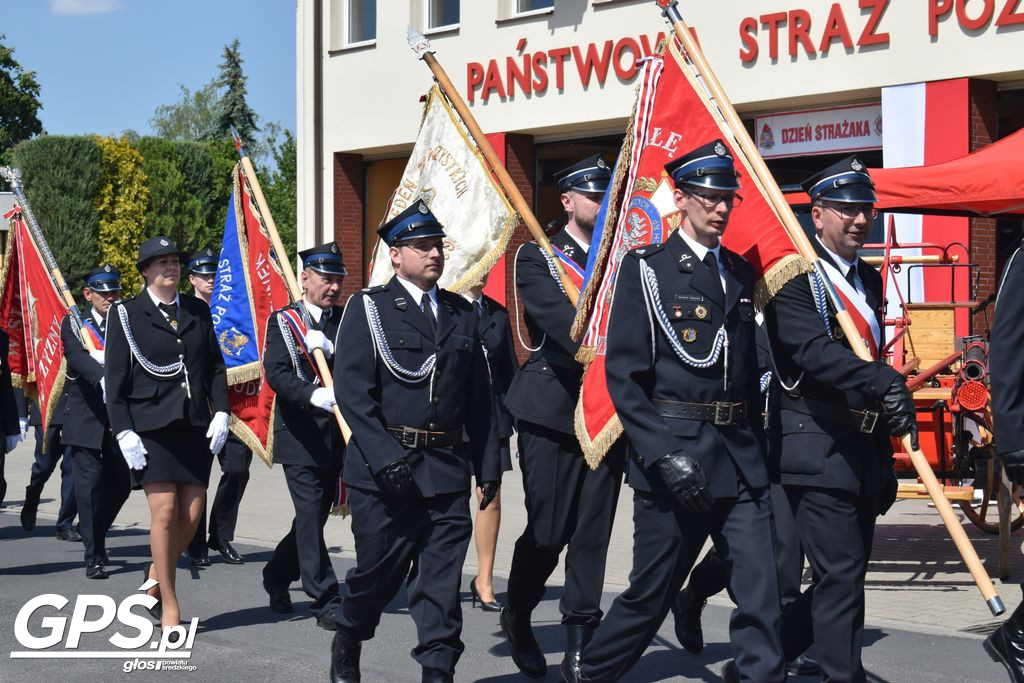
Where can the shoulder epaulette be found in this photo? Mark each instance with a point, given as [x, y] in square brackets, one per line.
[373, 290]
[648, 251]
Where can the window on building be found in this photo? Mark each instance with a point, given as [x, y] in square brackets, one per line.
[532, 5]
[441, 13]
[362, 21]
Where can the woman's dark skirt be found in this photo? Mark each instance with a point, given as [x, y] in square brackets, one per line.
[178, 453]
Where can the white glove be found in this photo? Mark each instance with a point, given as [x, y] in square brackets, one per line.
[132, 449]
[218, 431]
[323, 398]
[23, 425]
[315, 339]
[11, 441]
[97, 356]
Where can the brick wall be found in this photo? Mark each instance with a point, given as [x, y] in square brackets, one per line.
[982, 124]
[349, 201]
[522, 167]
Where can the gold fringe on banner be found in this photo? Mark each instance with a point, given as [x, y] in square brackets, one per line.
[250, 372]
[777, 276]
[595, 450]
[246, 436]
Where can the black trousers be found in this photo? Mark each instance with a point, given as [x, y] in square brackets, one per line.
[710, 577]
[302, 553]
[420, 541]
[235, 459]
[102, 485]
[836, 530]
[45, 463]
[567, 503]
[666, 543]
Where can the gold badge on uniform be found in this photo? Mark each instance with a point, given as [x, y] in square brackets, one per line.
[689, 335]
[701, 312]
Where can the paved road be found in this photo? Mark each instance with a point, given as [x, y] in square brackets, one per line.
[925, 619]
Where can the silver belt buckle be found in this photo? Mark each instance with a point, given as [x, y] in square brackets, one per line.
[868, 420]
[727, 420]
[415, 433]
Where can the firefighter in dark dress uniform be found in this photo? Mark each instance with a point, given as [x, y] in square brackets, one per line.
[567, 503]
[234, 459]
[307, 441]
[102, 482]
[682, 373]
[167, 400]
[830, 446]
[413, 379]
[1006, 370]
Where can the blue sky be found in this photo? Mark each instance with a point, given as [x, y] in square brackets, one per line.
[104, 66]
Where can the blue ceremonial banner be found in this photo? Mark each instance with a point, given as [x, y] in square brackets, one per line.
[599, 229]
[231, 306]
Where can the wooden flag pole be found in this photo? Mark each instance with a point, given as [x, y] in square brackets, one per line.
[719, 99]
[421, 46]
[289, 275]
[13, 177]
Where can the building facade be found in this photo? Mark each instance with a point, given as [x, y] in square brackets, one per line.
[552, 81]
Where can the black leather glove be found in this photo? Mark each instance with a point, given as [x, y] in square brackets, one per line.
[685, 480]
[396, 478]
[490, 491]
[899, 411]
[1013, 463]
[887, 491]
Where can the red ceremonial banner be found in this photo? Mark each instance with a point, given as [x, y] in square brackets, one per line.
[670, 118]
[31, 310]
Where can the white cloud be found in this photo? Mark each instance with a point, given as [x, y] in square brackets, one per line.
[79, 7]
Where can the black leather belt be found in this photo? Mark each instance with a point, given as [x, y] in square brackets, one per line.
[864, 420]
[719, 412]
[422, 438]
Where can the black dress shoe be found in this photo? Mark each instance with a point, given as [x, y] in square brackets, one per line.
[325, 619]
[345, 659]
[802, 665]
[576, 638]
[492, 606]
[730, 674]
[29, 508]
[69, 534]
[280, 600]
[432, 675]
[1006, 645]
[525, 651]
[94, 569]
[227, 552]
[200, 560]
[686, 611]
[103, 558]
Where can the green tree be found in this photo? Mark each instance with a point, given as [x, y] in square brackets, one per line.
[193, 117]
[281, 190]
[19, 102]
[233, 112]
[62, 177]
[121, 204]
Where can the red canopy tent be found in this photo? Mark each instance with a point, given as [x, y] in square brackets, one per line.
[989, 182]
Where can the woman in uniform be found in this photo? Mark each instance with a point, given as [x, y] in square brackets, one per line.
[166, 394]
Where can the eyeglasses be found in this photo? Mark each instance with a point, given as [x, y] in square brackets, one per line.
[849, 212]
[424, 246]
[713, 199]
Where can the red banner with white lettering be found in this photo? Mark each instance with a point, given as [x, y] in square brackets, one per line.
[248, 287]
[31, 310]
[670, 118]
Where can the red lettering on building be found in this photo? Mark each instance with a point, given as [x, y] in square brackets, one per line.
[748, 36]
[870, 35]
[1009, 15]
[592, 64]
[835, 28]
[940, 10]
